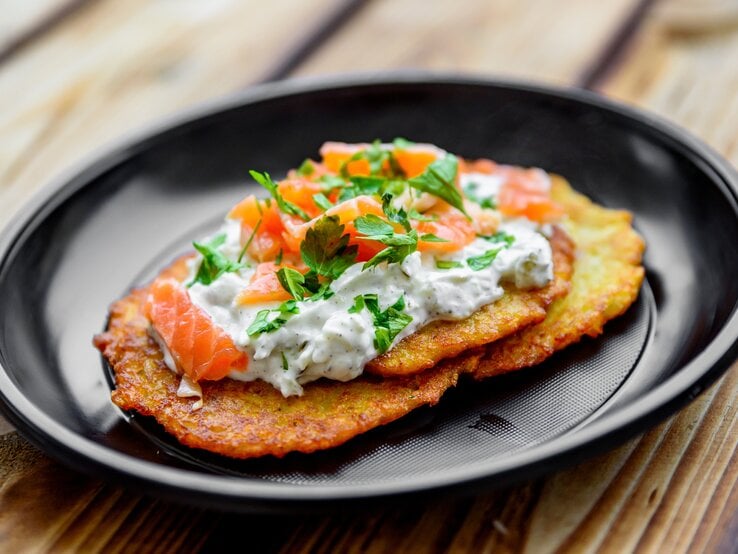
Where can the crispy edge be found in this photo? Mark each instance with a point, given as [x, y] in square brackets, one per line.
[247, 420]
[515, 310]
[606, 281]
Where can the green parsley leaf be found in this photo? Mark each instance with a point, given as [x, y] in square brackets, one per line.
[402, 144]
[358, 305]
[321, 200]
[430, 237]
[439, 179]
[361, 185]
[325, 249]
[448, 264]
[388, 323]
[417, 216]
[250, 239]
[323, 292]
[332, 182]
[306, 168]
[393, 214]
[399, 247]
[292, 281]
[214, 263]
[372, 225]
[499, 236]
[264, 323]
[287, 207]
[470, 190]
[485, 260]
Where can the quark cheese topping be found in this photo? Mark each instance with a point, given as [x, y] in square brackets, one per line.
[325, 340]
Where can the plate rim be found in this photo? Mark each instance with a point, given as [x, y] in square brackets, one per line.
[257, 495]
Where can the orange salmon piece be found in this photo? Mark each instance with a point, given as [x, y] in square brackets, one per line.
[413, 160]
[268, 241]
[202, 350]
[451, 225]
[264, 286]
[300, 192]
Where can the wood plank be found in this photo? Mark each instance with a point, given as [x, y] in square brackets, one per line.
[22, 20]
[119, 65]
[675, 488]
[506, 38]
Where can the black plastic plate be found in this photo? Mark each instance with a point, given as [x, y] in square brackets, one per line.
[90, 237]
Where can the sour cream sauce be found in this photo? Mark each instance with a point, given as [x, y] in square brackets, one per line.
[325, 340]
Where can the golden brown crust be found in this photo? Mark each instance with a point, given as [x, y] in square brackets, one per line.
[515, 310]
[607, 277]
[244, 420]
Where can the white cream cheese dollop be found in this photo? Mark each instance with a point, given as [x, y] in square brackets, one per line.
[325, 340]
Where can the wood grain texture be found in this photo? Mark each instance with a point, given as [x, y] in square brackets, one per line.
[673, 490]
[546, 40]
[118, 65]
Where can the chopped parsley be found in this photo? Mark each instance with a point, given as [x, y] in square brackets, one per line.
[439, 179]
[285, 365]
[287, 207]
[379, 161]
[306, 168]
[430, 237]
[326, 250]
[267, 321]
[292, 281]
[214, 263]
[321, 200]
[499, 236]
[398, 245]
[251, 239]
[485, 260]
[448, 264]
[470, 190]
[388, 323]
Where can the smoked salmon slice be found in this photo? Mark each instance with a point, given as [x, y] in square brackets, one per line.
[200, 349]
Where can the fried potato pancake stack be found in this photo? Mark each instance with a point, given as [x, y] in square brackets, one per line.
[597, 257]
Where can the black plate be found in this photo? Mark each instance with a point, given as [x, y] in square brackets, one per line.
[86, 240]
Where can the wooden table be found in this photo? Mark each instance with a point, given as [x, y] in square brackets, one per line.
[78, 73]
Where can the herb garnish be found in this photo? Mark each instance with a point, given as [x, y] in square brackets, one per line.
[321, 200]
[388, 323]
[399, 245]
[326, 250]
[287, 207]
[470, 190]
[263, 323]
[214, 263]
[306, 168]
[439, 179]
[499, 236]
[448, 264]
[485, 260]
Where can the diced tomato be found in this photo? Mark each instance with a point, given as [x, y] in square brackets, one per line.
[201, 349]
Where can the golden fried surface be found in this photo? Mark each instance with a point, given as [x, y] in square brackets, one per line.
[244, 420]
[607, 277]
[515, 310]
